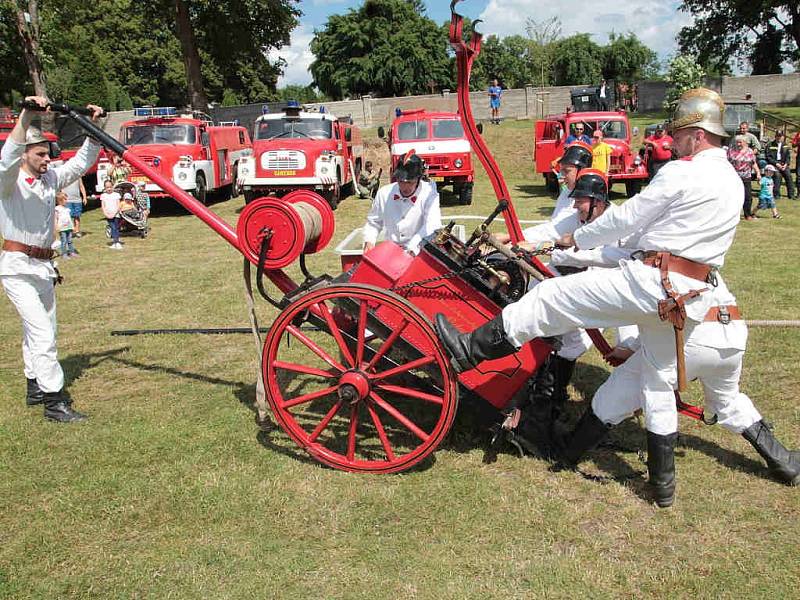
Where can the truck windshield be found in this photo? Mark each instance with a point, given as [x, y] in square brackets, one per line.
[318, 129]
[736, 113]
[137, 135]
[450, 128]
[617, 130]
[412, 130]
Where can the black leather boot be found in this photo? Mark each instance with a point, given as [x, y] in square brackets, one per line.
[661, 466]
[35, 395]
[539, 413]
[562, 372]
[783, 464]
[467, 350]
[586, 435]
[57, 408]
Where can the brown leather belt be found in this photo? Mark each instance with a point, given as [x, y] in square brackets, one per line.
[32, 251]
[724, 314]
[684, 266]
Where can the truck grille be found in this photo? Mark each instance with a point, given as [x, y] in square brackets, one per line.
[283, 159]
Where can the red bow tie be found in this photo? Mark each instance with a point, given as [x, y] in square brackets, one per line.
[30, 180]
[399, 197]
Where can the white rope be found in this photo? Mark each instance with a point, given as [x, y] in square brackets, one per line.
[762, 323]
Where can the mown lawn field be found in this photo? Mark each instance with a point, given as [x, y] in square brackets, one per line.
[171, 490]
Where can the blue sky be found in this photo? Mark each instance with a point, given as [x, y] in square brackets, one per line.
[656, 22]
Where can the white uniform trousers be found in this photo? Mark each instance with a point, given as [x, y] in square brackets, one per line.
[718, 372]
[35, 300]
[613, 298]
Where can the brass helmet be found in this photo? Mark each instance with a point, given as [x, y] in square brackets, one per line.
[34, 135]
[702, 108]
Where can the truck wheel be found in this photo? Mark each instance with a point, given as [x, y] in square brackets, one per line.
[236, 189]
[333, 195]
[465, 194]
[250, 195]
[633, 187]
[200, 190]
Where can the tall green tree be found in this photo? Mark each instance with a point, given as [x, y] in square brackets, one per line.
[385, 48]
[14, 78]
[543, 36]
[725, 30]
[578, 60]
[767, 54]
[627, 59]
[683, 73]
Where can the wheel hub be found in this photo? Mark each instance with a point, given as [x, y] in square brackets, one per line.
[353, 386]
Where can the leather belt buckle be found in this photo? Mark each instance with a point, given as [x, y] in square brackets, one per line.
[711, 278]
[723, 315]
[638, 255]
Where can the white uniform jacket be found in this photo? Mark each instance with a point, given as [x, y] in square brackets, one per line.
[406, 220]
[27, 204]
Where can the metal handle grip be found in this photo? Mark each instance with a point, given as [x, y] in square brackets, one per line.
[59, 108]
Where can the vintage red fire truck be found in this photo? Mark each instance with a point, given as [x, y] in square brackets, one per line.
[627, 166]
[297, 149]
[197, 155]
[438, 138]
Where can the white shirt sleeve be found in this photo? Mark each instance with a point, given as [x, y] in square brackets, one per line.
[604, 256]
[10, 162]
[633, 214]
[431, 219]
[78, 164]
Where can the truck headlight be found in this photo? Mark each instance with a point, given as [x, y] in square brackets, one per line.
[458, 163]
[182, 176]
[323, 170]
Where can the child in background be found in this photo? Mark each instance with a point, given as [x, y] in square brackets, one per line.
[766, 198]
[64, 226]
[109, 202]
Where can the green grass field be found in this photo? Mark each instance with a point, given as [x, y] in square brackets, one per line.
[172, 491]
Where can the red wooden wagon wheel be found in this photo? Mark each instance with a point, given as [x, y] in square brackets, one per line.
[355, 376]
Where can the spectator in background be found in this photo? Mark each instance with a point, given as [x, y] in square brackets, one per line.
[109, 202]
[743, 159]
[752, 140]
[601, 152]
[76, 200]
[779, 155]
[142, 199]
[660, 147]
[120, 171]
[578, 135]
[368, 181]
[495, 92]
[63, 226]
[602, 95]
[766, 199]
[796, 145]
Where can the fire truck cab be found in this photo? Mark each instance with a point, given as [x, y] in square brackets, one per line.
[438, 139]
[627, 167]
[199, 156]
[297, 149]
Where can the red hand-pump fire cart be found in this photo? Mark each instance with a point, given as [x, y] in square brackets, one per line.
[365, 384]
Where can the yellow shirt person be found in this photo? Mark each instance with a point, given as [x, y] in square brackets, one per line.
[601, 152]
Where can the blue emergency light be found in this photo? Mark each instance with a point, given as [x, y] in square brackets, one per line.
[155, 111]
[292, 104]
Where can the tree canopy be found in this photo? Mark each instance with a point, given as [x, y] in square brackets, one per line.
[762, 32]
[385, 47]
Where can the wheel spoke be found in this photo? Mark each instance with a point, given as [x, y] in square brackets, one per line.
[386, 345]
[400, 417]
[314, 347]
[337, 335]
[325, 420]
[351, 434]
[279, 364]
[387, 447]
[420, 362]
[404, 391]
[362, 327]
[309, 397]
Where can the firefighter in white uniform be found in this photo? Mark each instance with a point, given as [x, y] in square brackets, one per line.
[714, 355]
[408, 210]
[27, 199]
[687, 223]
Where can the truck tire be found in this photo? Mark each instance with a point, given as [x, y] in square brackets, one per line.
[250, 195]
[236, 189]
[465, 194]
[200, 190]
[333, 195]
[632, 187]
